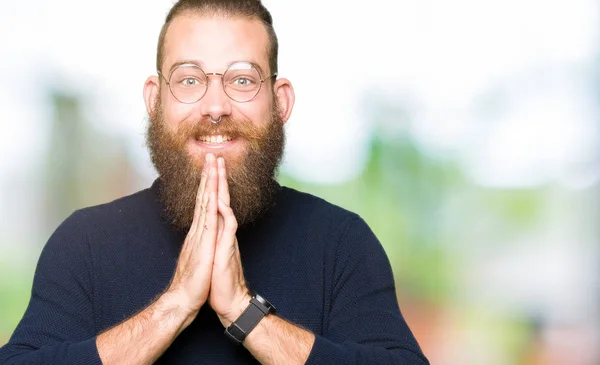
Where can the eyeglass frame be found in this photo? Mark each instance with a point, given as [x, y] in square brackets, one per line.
[168, 82]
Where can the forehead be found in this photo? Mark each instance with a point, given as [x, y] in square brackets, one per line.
[215, 42]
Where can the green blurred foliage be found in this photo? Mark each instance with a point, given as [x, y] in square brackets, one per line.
[426, 212]
[400, 195]
[16, 277]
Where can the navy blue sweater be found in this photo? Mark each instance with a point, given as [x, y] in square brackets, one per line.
[320, 265]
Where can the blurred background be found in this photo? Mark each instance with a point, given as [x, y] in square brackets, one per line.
[466, 133]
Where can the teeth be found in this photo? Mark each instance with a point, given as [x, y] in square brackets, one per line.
[215, 139]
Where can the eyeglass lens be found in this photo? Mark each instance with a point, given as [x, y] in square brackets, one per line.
[241, 82]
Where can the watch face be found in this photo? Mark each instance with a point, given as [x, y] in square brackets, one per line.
[265, 302]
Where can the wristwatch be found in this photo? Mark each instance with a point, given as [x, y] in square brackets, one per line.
[254, 312]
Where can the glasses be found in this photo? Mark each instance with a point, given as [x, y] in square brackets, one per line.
[241, 82]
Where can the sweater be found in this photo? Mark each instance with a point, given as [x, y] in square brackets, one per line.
[318, 264]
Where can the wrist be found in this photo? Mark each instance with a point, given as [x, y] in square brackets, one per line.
[173, 304]
[237, 308]
[253, 314]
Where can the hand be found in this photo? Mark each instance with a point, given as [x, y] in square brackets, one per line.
[192, 278]
[229, 295]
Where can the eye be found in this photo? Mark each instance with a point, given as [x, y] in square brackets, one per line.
[190, 81]
[242, 81]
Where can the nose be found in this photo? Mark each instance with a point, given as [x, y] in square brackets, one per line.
[215, 103]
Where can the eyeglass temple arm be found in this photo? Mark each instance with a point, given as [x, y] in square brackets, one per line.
[268, 77]
[163, 76]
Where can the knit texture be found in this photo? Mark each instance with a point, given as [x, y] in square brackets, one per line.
[320, 265]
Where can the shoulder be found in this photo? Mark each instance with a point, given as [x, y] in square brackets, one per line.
[108, 219]
[130, 206]
[346, 239]
[321, 214]
[316, 207]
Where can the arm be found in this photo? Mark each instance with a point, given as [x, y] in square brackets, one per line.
[275, 340]
[144, 337]
[55, 331]
[58, 327]
[364, 324]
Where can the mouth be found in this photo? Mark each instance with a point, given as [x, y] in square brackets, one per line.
[214, 140]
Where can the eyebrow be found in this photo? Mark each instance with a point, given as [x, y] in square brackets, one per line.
[200, 64]
[185, 62]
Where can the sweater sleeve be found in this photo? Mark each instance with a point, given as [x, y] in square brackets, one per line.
[58, 325]
[364, 324]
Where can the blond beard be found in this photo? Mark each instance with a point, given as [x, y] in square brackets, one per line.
[251, 177]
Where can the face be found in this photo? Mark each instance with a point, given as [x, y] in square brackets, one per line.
[215, 43]
[179, 135]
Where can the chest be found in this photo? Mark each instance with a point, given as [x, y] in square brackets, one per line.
[128, 280]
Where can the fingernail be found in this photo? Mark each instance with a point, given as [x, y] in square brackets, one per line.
[220, 160]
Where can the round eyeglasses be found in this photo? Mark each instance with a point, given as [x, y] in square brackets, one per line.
[241, 82]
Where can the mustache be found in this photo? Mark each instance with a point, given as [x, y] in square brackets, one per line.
[232, 127]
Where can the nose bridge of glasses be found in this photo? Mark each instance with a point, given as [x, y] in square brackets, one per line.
[216, 101]
[218, 74]
[220, 85]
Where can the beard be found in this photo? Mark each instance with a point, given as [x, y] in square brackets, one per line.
[250, 175]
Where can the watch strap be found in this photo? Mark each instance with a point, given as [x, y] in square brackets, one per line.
[241, 327]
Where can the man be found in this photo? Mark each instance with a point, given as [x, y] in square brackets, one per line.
[215, 263]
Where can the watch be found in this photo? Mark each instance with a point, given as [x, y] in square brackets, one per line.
[254, 312]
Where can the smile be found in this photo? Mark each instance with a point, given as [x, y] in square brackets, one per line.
[215, 140]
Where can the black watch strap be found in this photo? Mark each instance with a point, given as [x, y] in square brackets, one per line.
[254, 312]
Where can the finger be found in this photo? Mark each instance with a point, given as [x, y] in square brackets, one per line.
[223, 191]
[209, 236]
[212, 181]
[226, 243]
[200, 206]
[223, 185]
[210, 187]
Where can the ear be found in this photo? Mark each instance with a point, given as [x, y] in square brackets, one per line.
[284, 92]
[151, 90]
